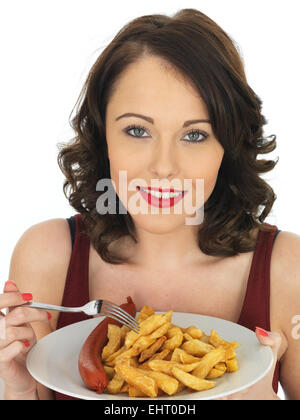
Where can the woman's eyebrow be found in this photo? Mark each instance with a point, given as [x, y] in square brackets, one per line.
[150, 120]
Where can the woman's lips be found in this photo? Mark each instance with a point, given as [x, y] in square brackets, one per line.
[161, 202]
[161, 189]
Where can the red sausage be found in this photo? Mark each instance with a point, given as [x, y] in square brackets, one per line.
[89, 362]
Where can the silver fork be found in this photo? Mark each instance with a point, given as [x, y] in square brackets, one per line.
[95, 307]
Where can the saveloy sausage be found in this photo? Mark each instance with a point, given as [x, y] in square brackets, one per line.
[89, 361]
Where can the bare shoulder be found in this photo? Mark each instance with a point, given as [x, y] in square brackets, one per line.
[39, 265]
[287, 247]
[40, 260]
[286, 262]
[51, 233]
[285, 276]
[285, 308]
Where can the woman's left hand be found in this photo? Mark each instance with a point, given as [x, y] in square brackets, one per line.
[262, 390]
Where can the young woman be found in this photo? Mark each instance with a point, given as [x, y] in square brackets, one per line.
[167, 101]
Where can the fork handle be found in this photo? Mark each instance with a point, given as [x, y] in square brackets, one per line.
[51, 307]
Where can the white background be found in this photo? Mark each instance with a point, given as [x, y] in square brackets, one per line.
[47, 49]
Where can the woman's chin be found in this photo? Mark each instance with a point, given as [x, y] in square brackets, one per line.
[159, 224]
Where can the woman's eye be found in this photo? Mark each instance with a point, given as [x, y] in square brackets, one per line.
[137, 130]
[194, 135]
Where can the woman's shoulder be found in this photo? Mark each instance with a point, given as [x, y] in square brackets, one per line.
[51, 236]
[40, 259]
[286, 253]
[285, 278]
[55, 227]
[39, 265]
[285, 292]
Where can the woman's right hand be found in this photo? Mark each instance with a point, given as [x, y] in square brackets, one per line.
[15, 330]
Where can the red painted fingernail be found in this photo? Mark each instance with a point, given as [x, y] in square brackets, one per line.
[262, 332]
[26, 344]
[49, 315]
[26, 296]
[10, 282]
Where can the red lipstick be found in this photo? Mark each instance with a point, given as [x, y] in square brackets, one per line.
[159, 201]
[160, 189]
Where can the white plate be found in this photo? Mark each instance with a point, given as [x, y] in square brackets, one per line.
[53, 360]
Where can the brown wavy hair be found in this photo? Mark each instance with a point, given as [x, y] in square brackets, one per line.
[196, 46]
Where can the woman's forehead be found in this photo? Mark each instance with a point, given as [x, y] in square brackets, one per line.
[156, 94]
[152, 76]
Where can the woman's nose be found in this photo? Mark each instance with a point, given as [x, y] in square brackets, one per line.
[164, 161]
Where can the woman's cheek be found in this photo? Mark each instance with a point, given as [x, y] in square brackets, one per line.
[210, 182]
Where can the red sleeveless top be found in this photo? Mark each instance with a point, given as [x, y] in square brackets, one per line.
[256, 306]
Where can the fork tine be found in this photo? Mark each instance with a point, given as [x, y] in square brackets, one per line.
[126, 315]
[114, 306]
[120, 316]
[121, 321]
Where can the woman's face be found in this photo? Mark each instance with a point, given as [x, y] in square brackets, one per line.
[166, 152]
